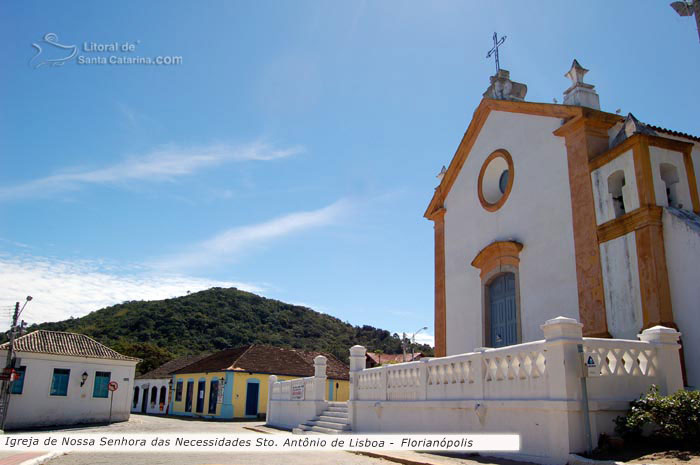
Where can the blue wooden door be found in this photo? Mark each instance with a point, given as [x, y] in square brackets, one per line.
[502, 312]
[251, 399]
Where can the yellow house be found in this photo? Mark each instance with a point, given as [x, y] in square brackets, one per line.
[233, 383]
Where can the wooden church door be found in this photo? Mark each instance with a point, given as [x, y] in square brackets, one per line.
[503, 315]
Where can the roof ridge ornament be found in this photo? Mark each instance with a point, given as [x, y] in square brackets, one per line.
[630, 127]
[580, 93]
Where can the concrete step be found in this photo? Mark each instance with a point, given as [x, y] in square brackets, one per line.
[328, 424]
[335, 414]
[333, 419]
[337, 404]
[337, 409]
[321, 429]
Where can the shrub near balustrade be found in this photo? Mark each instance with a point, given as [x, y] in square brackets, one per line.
[675, 417]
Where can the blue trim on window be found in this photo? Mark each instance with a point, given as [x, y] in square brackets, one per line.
[59, 382]
[102, 379]
[330, 389]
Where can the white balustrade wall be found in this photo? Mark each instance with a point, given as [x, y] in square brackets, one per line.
[294, 401]
[533, 389]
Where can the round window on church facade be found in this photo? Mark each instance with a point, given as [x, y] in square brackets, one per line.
[496, 180]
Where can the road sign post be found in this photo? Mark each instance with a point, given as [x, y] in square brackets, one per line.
[111, 387]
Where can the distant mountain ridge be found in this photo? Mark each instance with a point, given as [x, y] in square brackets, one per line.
[159, 330]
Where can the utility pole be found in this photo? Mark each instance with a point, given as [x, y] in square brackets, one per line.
[9, 365]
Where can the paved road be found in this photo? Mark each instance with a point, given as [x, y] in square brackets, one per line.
[154, 424]
[252, 458]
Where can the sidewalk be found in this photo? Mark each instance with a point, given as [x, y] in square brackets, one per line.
[25, 458]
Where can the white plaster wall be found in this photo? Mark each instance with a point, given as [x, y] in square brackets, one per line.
[291, 413]
[682, 245]
[604, 210]
[621, 282]
[35, 407]
[549, 430]
[658, 156]
[155, 408]
[537, 214]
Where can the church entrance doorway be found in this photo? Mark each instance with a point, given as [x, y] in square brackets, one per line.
[503, 316]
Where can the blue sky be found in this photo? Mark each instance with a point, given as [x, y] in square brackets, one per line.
[294, 149]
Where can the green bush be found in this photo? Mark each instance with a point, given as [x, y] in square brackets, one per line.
[675, 417]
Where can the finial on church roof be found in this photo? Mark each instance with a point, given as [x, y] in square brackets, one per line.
[576, 73]
[580, 93]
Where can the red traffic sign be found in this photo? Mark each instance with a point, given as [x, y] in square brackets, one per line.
[112, 386]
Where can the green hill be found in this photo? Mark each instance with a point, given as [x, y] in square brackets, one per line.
[217, 318]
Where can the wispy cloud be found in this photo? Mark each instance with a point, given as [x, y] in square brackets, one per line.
[226, 245]
[161, 164]
[63, 288]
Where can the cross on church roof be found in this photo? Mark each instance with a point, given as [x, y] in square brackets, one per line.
[494, 51]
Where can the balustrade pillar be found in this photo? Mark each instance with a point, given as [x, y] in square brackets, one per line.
[319, 381]
[668, 360]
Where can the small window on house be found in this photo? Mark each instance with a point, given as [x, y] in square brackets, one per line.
[59, 382]
[178, 391]
[154, 396]
[18, 385]
[102, 379]
[136, 397]
[669, 175]
[616, 182]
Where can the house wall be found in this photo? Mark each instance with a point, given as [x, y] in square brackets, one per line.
[341, 394]
[240, 386]
[178, 407]
[682, 245]
[148, 384]
[536, 214]
[35, 407]
[235, 390]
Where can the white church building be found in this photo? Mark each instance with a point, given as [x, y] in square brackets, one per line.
[564, 209]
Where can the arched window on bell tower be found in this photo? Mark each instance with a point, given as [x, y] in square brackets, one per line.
[616, 181]
[669, 175]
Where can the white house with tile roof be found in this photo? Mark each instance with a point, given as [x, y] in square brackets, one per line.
[63, 381]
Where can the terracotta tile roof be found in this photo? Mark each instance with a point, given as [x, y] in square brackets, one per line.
[392, 358]
[674, 133]
[267, 359]
[165, 370]
[60, 343]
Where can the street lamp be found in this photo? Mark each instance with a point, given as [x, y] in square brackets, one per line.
[688, 8]
[413, 340]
